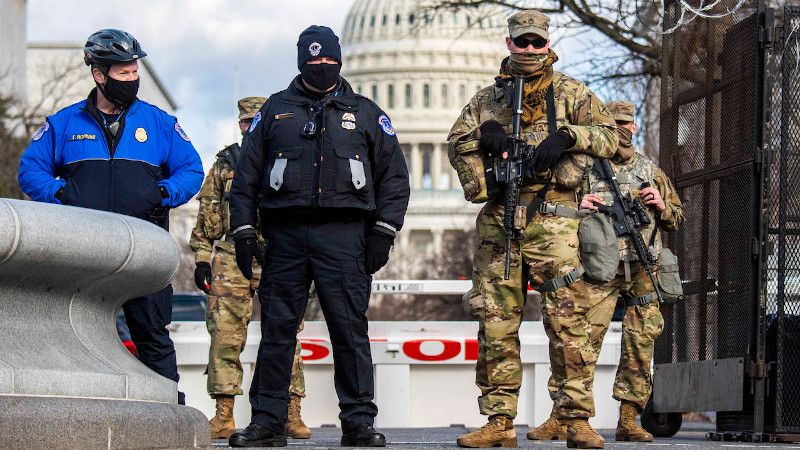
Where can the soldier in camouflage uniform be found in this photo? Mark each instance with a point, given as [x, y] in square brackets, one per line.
[548, 254]
[642, 322]
[230, 294]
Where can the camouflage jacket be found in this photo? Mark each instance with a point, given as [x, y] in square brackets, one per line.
[213, 217]
[577, 109]
[630, 176]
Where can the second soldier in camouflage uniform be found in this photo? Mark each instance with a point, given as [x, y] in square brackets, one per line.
[642, 322]
[230, 294]
[583, 129]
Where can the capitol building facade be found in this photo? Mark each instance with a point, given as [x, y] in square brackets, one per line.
[422, 66]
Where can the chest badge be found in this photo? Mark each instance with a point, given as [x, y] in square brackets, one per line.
[348, 121]
[140, 134]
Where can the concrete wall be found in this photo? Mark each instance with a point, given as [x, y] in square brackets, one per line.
[12, 48]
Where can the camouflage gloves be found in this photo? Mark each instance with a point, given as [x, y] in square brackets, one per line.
[494, 140]
[246, 249]
[547, 153]
[378, 247]
[202, 276]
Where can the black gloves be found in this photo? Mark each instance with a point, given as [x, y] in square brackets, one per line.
[202, 276]
[378, 247]
[493, 138]
[546, 155]
[246, 249]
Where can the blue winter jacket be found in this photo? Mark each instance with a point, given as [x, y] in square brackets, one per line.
[74, 151]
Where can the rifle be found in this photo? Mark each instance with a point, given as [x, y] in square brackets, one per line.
[508, 169]
[628, 216]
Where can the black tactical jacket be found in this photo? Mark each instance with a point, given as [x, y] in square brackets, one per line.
[352, 161]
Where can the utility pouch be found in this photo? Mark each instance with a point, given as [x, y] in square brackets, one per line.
[213, 227]
[473, 301]
[669, 280]
[571, 169]
[471, 171]
[599, 247]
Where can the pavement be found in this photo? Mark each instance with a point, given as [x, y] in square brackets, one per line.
[691, 436]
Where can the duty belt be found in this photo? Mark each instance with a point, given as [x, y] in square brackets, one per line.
[641, 300]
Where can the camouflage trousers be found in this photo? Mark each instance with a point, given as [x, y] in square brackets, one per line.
[230, 307]
[641, 326]
[549, 250]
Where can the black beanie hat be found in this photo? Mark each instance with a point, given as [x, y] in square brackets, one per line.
[316, 41]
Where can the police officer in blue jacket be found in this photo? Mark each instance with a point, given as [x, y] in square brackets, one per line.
[115, 153]
[323, 170]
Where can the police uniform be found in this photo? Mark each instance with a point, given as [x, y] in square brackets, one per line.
[230, 294]
[549, 248]
[323, 172]
[148, 165]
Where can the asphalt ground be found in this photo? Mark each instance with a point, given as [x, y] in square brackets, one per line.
[691, 436]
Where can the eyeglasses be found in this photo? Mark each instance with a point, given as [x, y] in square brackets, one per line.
[537, 43]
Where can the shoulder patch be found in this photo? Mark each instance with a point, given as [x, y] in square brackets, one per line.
[256, 119]
[386, 125]
[181, 133]
[41, 131]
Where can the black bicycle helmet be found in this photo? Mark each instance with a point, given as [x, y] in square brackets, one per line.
[109, 46]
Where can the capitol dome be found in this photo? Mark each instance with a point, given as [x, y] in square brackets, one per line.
[422, 66]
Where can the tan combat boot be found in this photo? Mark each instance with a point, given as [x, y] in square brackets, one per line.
[222, 426]
[581, 435]
[550, 430]
[295, 428]
[499, 432]
[627, 428]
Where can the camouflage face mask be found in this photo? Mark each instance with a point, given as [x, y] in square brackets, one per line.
[526, 63]
[625, 149]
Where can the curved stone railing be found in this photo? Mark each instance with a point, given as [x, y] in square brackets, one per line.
[66, 380]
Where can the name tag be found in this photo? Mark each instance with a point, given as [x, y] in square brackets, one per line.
[82, 137]
[284, 116]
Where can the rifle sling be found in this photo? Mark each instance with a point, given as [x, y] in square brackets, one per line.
[533, 206]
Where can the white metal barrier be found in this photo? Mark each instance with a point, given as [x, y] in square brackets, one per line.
[424, 371]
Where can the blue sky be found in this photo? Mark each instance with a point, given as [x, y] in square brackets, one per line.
[210, 52]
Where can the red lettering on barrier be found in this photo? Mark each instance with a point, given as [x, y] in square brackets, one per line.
[317, 351]
[470, 350]
[413, 350]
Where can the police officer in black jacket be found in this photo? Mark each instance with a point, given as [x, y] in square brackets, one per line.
[322, 168]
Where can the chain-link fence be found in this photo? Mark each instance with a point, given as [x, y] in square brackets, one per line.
[730, 139]
[783, 232]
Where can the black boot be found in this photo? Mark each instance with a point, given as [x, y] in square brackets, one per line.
[257, 436]
[363, 435]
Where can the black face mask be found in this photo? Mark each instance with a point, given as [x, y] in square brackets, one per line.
[120, 93]
[320, 76]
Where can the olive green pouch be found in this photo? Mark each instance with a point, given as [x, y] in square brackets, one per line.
[469, 165]
[599, 247]
[669, 280]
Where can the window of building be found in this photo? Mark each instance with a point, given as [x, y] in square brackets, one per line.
[427, 180]
[361, 24]
[397, 19]
[411, 19]
[444, 177]
[409, 100]
[372, 22]
[427, 19]
[391, 96]
[426, 95]
[445, 102]
[455, 18]
[407, 155]
[375, 93]
[477, 87]
[384, 20]
[358, 89]
[462, 93]
[469, 21]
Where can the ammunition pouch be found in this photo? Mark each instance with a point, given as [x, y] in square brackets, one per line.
[212, 221]
[599, 247]
[471, 169]
[668, 278]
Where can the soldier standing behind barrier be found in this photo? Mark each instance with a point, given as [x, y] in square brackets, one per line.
[230, 294]
[568, 125]
[642, 322]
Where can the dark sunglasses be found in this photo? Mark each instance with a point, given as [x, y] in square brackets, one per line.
[521, 42]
